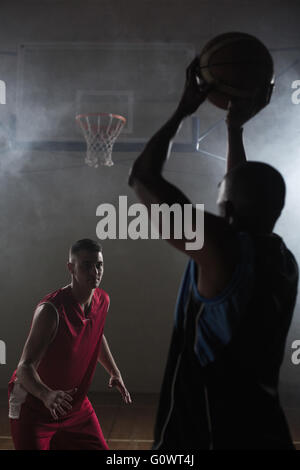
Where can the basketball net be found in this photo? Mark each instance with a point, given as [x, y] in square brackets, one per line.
[100, 131]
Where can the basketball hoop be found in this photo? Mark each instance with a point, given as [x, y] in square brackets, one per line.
[100, 131]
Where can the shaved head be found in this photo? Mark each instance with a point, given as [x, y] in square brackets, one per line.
[85, 244]
[253, 194]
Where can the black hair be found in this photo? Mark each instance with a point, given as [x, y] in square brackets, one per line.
[85, 244]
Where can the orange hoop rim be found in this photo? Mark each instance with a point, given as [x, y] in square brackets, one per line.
[117, 116]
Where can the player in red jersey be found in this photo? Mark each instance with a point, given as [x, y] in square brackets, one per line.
[48, 404]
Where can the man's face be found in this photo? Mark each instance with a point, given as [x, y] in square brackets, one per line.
[87, 269]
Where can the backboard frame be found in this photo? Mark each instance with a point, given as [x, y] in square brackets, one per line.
[131, 145]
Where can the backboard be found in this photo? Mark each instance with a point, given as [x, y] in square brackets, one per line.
[57, 81]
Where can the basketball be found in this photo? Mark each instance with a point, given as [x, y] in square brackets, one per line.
[239, 66]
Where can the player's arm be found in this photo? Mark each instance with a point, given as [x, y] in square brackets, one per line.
[151, 161]
[42, 331]
[240, 110]
[215, 257]
[146, 173]
[106, 359]
[236, 152]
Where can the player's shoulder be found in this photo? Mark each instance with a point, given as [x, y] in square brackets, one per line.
[101, 295]
[279, 256]
[219, 243]
[55, 298]
[218, 230]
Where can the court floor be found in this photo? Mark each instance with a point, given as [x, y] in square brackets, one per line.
[127, 427]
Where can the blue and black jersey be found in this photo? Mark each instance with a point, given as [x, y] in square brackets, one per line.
[220, 388]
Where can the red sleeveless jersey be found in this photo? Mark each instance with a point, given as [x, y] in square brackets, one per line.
[71, 357]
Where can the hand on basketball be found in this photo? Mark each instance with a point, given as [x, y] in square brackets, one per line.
[117, 381]
[58, 402]
[195, 90]
[240, 110]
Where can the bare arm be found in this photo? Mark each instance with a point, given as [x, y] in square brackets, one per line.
[106, 358]
[236, 153]
[215, 257]
[42, 331]
[241, 111]
[150, 163]
[107, 361]
[238, 114]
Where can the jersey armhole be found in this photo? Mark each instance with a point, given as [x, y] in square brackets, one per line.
[244, 269]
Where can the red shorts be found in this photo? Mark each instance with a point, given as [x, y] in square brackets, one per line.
[78, 431]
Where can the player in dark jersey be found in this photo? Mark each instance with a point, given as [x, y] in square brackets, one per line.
[235, 304]
[48, 404]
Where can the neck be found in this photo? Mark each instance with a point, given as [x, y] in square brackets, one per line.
[83, 296]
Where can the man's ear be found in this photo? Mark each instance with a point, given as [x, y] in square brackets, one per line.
[70, 267]
[229, 211]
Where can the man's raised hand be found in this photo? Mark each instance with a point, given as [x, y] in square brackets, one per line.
[195, 90]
